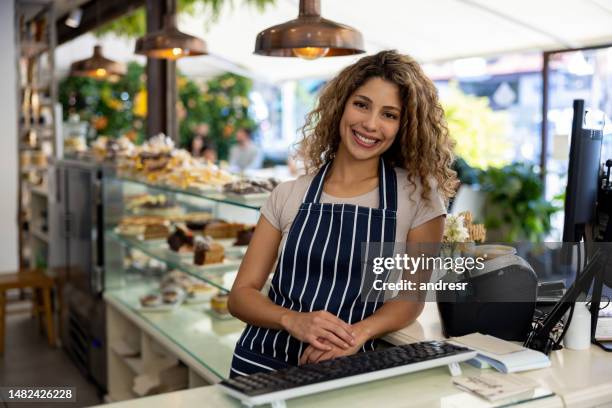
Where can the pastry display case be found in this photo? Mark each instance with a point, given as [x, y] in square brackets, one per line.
[173, 243]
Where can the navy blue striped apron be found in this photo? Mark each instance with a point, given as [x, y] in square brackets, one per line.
[320, 268]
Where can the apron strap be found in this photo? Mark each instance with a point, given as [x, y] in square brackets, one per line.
[316, 185]
[387, 183]
[387, 186]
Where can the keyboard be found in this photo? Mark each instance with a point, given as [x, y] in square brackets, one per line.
[274, 386]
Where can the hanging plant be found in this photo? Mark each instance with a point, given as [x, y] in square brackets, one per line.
[134, 24]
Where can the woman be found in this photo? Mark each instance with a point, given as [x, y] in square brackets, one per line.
[379, 156]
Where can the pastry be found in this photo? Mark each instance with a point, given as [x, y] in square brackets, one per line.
[181, 237]
[248, 186]
[219, 304]
[244, 236]
[144, 227]
[172, 294]
[150, 300]
[201, 291]
[205, 251]
[222, 229]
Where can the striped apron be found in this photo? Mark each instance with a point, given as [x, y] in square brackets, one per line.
[320, 268]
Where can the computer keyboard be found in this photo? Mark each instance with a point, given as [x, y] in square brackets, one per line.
[275, 386]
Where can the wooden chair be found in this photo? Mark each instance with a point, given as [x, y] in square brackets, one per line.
[39, 283]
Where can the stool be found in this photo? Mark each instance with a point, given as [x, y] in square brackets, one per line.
[37, 281]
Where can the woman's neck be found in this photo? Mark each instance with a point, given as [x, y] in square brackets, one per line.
[349, 177]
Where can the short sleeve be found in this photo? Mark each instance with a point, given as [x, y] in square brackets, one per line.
[429, 209]
[273, 207]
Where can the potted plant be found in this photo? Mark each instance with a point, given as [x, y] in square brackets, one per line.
[515, 208]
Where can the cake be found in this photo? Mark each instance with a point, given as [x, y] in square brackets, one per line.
[244, 236]
[180, 238]
[201, 291]
[222, 229]
[205, 251]
[172, 294]
[219, 304]
[144, 227]
[150, 300]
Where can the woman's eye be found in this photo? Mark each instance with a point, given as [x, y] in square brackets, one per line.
[360, 105]
[390, 115]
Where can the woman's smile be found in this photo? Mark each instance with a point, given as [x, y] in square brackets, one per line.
[365, 140]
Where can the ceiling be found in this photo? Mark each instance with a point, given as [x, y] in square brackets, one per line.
[430, 31]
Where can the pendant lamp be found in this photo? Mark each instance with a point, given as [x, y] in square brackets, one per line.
[170, 43]
[97, 66]
[309, 36]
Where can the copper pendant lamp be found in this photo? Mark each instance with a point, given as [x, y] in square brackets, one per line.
[97, 66]
[309, 36]
[170, 43]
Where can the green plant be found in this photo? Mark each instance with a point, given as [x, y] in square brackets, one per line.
[515, 207]
[480, 133]
[107, 106]
[134, 25]
[222, 102]
[115, 109]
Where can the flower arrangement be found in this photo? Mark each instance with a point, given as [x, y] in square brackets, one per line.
[460, 232]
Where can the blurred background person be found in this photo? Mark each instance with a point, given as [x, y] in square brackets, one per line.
[245, 155]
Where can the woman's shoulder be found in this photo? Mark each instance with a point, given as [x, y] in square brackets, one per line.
[291, 188]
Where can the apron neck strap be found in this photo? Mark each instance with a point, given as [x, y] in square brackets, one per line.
[387, 186]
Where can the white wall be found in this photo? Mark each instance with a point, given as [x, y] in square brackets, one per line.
[8, 141]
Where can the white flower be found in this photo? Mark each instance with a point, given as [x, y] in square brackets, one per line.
[455, 230]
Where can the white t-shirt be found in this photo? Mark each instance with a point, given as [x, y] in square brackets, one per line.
[412, 210]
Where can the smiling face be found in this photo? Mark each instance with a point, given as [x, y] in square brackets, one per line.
[371, 119]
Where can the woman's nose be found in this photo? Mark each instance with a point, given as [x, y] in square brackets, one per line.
[369, 123]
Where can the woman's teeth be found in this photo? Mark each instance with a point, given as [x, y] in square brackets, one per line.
[365, 140]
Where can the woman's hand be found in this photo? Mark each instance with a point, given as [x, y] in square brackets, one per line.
[315, 355]
[316, 327]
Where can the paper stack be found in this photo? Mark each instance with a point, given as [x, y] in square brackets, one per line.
[502, 355]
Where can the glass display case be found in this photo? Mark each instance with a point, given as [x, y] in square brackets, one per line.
[161, 288]
[140, 217]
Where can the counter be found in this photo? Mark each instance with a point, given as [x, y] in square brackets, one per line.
[578, 379]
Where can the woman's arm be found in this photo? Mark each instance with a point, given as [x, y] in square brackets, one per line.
[393, 315]
[247, 303]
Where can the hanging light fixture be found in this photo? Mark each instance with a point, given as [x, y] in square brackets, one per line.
[170, 43]
[309, 36]
[97, 66]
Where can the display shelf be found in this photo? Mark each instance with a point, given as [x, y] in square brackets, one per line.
[215, 196]
[204, 343]
[221, 276]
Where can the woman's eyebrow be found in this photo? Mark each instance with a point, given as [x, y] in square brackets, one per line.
[370, 101]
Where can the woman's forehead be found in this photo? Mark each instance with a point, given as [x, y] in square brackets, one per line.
[380, 91]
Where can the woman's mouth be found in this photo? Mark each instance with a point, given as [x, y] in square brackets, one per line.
[364, 141]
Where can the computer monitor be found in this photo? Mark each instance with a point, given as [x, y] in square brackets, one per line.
[583, 179]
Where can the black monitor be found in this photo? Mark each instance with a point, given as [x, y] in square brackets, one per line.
[583, 178]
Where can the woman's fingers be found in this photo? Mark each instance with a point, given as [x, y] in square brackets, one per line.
[315, 342]
[305, 355]
[332, 338]
[339, 322]
[339, 332]
[315, 355]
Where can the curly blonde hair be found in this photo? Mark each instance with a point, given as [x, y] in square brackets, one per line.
[422, 146]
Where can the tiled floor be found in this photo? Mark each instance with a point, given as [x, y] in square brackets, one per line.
[29, 361]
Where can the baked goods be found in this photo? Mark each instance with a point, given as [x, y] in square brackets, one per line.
[144, 227]
[219, 304]
[200, 291]
[198, 217]
[205, 251]
[222, 229]
[172, 294]
[181, 238]
[157, 161]
[251, 186]
[148, 204]
[151, 300]
[244, 236]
